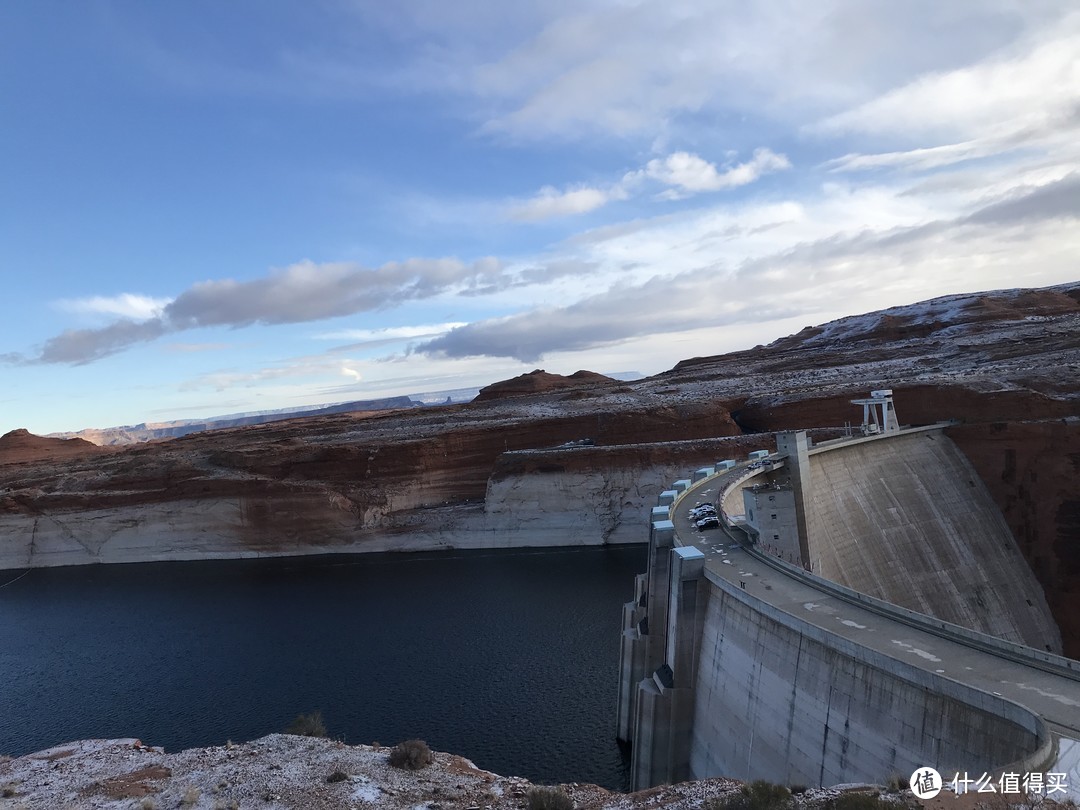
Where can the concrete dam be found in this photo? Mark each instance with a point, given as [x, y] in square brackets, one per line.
[863, 611]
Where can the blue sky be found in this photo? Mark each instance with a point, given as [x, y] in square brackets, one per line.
[213, 207]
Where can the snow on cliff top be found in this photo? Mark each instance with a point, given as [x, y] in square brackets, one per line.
[949, 312]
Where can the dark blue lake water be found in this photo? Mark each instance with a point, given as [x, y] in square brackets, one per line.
[508, 658]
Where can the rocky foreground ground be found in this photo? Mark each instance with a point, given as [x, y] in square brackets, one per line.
[285, 771]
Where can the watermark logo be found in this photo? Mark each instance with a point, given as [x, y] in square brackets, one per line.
[926, 783]
[1037, 783]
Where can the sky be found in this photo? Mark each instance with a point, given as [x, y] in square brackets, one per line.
[209, 208]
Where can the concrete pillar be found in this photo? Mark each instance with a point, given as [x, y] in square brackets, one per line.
[667, 497]
[661, 513]
[685, 613]
[661, 540]
[631, 658]
[703, 473]
[663, 725]
[682, 485]
[631, 669]
[793, 445]
[651, 736]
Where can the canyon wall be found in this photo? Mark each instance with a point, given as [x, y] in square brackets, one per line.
[1031, 469]
[554, 497]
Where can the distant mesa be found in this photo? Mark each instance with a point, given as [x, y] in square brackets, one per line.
[539, 382]
[22, 445]
[157, 431]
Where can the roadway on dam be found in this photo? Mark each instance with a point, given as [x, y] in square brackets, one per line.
[1055, 697]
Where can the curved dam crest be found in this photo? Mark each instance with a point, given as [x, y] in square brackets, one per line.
[736, 662]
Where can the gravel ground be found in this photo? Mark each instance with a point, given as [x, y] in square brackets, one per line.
[284, 771]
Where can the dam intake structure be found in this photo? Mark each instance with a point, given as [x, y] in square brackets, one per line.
[863, 611]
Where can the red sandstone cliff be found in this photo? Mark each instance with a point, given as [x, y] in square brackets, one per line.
[21, 445]
[540, 382]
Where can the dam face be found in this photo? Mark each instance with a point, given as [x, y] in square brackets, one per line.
[929, 648]
[909, 521]
[776, 701]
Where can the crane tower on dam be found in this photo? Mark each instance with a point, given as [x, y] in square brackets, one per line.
[879, 413]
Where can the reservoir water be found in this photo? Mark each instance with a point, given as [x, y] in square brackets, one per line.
[509, 658]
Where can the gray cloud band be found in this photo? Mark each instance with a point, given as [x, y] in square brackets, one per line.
[309, 292]
[301, 293]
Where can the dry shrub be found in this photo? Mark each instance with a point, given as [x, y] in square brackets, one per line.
[412, 755]
[549, 798]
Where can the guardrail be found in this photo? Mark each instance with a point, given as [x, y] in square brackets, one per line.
[1020, 653]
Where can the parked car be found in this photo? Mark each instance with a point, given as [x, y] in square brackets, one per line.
[708, 522]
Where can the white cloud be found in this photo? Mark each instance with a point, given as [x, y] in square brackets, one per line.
[848, 250]
[919, 159]
[637, 69]
[297, 371]
[1037, 86]
[690, 173]
[126, 305]
[683, 172]
[550, 202]
[389, 333]
[533, 71]
[1025, 98]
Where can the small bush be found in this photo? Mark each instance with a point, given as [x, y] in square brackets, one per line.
[412, 755]
[759, 795]
[858, 801]
[307, 725]
[148, 804]
[191, 796]
[549, 798]
[337, 776]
